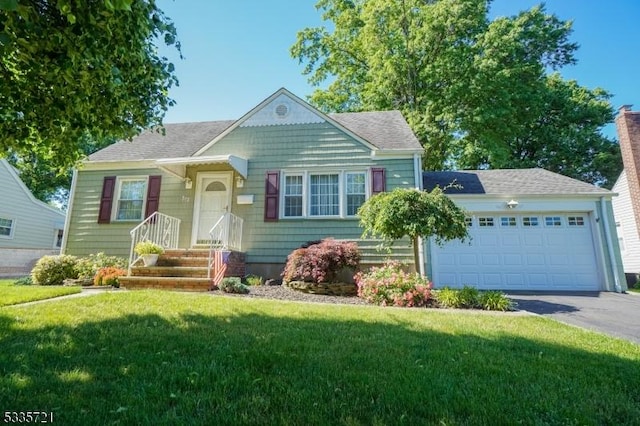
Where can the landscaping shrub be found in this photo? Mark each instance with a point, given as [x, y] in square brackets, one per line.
[233, 285]
[26, 280]
[448, 298]
[53, 270]
[87, 267]
[495, 301]
[390, 285]
[254, 280]
[109, 276]
[321, 262]
[469, 297]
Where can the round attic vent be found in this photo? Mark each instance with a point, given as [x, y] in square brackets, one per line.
[282, 110]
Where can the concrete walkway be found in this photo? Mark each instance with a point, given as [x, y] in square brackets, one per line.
[616, 314]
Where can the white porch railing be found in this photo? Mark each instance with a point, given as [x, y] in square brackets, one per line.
[158, 228]
[226, 234]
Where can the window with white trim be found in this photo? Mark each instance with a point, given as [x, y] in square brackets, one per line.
[508, 221]
[485, 221]
[293, 192]
[130, 198]
[331, 194]
[552, 221]
[575, 221]
[468, 221]
[58, 235]
[356, 191]
[324, 195]
[530, 221]
[6, 227]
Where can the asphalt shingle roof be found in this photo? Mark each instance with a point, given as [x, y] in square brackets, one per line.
[509, 181]
[383, 129]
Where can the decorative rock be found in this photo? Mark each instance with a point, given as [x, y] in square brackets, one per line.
[273, 281]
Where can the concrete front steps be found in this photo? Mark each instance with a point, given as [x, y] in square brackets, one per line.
[177, 269]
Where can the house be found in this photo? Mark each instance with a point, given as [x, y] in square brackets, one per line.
[530, 229]
[29, 228]
[626, 206]
[280, 176]
[285, 173]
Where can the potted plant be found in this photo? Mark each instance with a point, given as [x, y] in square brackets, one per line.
[148, 251]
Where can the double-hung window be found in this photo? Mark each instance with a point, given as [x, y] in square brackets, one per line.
[327, 194]
[6, 228]
[130, 198]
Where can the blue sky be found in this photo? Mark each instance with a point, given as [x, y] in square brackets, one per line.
[237, 52]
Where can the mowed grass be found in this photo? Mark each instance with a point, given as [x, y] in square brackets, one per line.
[159, 358]
[11, 294]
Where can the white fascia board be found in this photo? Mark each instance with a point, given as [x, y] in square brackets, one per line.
[174, 165]
[118, 165]
[394, 154]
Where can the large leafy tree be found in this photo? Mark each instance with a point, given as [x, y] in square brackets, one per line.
[477, 93]
[77, 69]
[406, 212]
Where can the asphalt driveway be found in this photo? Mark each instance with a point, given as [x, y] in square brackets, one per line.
[611, 313]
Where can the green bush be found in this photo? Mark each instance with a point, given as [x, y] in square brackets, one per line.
[389, 285]
[448, 298]
[495, 301]
[24, 281]
[233, 285]
[469, 297]
[87, 267]
[53, 270]
[254, 280]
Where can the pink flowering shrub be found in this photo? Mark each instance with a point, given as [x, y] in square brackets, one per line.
[389, 285]
[320, 263]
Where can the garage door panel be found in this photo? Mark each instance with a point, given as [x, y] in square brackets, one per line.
[544, 257]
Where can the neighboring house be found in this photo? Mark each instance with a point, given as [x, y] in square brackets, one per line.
[626, 206]
[29, 228]
[531, 229]
[292, 174]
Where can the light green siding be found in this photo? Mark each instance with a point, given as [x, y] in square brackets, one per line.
[87, 236]
[312, 147]
[34, 223]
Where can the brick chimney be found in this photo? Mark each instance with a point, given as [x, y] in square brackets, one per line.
[628, 126]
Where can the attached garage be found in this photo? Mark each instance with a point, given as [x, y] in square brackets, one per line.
[531, 230]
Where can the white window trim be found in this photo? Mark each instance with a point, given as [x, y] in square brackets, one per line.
[12, 229]
[116, 197]
[55, 238]
[306, 192]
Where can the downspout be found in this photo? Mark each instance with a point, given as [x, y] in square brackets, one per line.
[417, 168]
[612, 257]
[67, 219]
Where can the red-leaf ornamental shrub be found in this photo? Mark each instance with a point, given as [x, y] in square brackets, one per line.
[390, 285]
[320, 263]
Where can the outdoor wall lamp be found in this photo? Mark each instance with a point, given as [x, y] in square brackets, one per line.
[512, 204]
[187, 183]
[239, 182]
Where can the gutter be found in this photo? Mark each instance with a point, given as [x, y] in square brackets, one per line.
[612, 257]
[67, 219]
[417, 168]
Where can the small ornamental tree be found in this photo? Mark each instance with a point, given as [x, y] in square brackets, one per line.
[411, 213]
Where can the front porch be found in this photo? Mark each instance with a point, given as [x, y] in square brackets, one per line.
[186, 270]
[198, 268]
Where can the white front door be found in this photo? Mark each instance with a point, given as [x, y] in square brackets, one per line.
[213, 199]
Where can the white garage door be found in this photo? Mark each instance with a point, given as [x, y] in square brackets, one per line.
[521, 252]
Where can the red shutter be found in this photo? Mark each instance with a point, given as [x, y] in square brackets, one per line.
[378, 181]
[153, 195]
[106, 200]
[271, 192]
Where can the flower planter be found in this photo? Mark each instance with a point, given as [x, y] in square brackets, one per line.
[150, 259]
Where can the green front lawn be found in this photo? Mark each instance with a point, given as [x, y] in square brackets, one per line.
[172, 358]
[11, 294]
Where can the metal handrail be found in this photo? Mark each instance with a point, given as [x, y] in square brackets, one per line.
[226, 234]
[158, 228]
